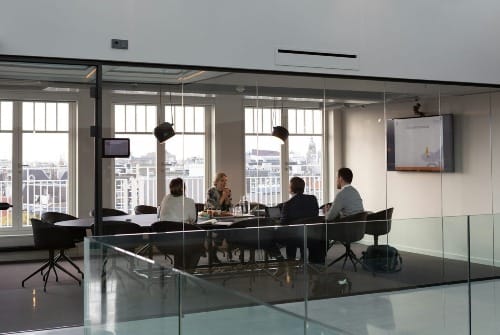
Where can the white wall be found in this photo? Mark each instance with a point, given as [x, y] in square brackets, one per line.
[229, 142]
[446, 40]
[421, 200]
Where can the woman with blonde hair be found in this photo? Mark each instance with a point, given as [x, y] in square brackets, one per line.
[219, 196]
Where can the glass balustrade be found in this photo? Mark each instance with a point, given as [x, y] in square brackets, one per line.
[223, 279]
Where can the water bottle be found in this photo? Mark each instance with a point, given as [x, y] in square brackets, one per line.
[244, 205]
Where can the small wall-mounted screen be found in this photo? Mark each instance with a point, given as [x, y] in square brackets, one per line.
[115, 147]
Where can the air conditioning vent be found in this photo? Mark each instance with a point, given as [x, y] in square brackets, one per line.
[317, 59]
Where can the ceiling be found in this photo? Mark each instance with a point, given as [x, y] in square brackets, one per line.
[39, 76]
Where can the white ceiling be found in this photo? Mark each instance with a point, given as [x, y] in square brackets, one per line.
[23, 76]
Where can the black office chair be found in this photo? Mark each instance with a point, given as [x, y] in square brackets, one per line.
[379, 223]
[199, 206]
[254, 238]
[109, 212]
[316, 237]
[186, 249]
[347, 230]
[50, 237]
[77, 234]
[145, 209]
[131, 239]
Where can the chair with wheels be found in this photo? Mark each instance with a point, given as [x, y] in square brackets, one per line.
[347, 230]
[145, 209]
[379, 223]
[76, 233]
[50, 237]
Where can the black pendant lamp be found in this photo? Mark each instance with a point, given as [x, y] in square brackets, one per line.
[164, 131]
[4, 206]
[280, 132]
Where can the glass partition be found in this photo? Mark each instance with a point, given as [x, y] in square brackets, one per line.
[435, 218]
[125, 293]
[254, 284]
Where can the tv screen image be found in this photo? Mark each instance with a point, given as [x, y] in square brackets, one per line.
[420, 144]
[115, 147]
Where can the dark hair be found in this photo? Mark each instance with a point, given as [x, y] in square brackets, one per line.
[346, 174]
[176, 187]
[297, 185]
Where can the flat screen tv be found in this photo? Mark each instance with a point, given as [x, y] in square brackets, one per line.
[115, 147]
[420, 144]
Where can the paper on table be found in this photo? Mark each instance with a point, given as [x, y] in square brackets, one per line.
[208, 221]
[223, 223]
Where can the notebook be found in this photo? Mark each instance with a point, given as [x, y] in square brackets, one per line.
[273, 212]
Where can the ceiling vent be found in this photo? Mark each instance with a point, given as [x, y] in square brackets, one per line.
[316, 59]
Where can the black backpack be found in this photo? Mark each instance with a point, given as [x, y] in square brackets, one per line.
[381, 258]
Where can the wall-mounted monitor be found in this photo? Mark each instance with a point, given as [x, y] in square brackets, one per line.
[115, 147]
[420, 144]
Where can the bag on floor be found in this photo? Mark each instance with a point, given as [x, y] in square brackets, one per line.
[381, 258]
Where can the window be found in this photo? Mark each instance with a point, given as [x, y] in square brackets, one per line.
[265, 172]
[6, 126]
[185, 152]
[305, 151]
[262, 156]
[45, 131]
[136, 176]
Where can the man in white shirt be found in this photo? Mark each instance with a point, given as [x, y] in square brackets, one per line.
[347, 201]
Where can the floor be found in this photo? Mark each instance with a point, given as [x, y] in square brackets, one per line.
[437, 310]
[386, 310]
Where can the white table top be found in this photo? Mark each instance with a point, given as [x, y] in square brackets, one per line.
[143, 220]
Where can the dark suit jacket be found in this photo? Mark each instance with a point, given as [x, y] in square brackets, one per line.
[299, 206]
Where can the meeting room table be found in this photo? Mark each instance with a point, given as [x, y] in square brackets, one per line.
[146, 220]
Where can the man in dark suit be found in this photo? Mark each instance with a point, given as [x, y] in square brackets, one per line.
[299, 206]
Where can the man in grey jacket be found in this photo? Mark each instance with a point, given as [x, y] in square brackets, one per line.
[347, 201]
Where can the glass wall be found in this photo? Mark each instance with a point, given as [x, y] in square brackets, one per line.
[438, 174]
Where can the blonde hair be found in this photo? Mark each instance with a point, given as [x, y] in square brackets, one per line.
[218, 177]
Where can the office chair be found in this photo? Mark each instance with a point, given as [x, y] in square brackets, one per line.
[145, 209]
[315, 231]
[50, 237]
[252, 239]
[77, 234]
[131, 239]
[379, 223]
[347, 230]
[199, 207]
[109, 212]
[186, 248]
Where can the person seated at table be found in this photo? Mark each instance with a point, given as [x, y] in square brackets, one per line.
[176, 206]
[219, 196]
[299, 206]
[347, 201]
